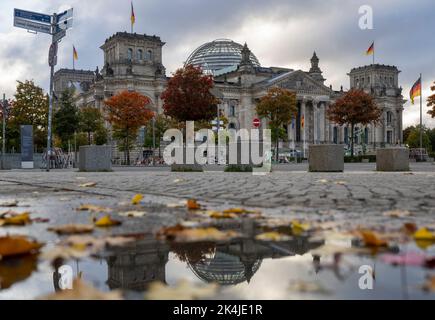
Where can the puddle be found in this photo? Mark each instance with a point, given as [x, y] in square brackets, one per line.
[245, 268]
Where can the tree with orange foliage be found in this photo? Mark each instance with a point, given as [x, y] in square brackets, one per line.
[354, 107]
[127, 112]
[431, 102]
[188, 97]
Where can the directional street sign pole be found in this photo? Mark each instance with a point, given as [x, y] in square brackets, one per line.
[55, 25]
[52, 57]
[4, 132]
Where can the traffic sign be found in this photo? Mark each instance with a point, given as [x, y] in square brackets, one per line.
[59, 35]
[256, 122]
[35, 16]
[64, 25]
[52, 55]
[30, 25]
[64, 15]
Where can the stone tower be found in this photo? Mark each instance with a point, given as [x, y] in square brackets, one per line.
[315, 71]
[131, 54]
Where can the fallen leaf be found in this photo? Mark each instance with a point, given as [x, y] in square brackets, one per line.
[184, 290]
[272, 236]
[409, 228]
[16, 219]
[371, 239]
[341, 183]
[83, 291]
[221, 215]
[429, 284]
[136, 199]
[107, 221]
[397, 214]
[132, 214]
[88, 184]
[239, 211]
[424, 234]
[72, 229]
[93, 208]
[299, 228]
[179, 233]
[9, 203]
[18, 245]
[307, 287]
[181, 204]
[192, 204]
[322, 181]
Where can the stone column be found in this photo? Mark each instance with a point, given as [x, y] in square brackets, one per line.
[304, 128]
[315, 122]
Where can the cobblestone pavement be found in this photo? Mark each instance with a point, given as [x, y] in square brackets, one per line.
[354, 191]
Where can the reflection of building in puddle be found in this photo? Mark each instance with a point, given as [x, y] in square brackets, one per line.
[238, 261]
[134, 266]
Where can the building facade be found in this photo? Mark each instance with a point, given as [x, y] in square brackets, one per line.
[134, 62]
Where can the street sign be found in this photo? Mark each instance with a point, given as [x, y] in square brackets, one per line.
[52, 55]
[256, 122]
[59, 35]
[65, 24]
[30, 25]
[35, 16]
[64, 15]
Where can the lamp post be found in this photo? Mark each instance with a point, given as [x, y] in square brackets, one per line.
[3, 131]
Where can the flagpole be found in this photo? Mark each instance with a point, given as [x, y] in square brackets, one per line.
[374, 53]
[421, 117]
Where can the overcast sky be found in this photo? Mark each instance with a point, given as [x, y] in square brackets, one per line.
[279, 32]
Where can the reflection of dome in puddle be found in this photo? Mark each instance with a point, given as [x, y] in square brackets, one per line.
[225, 269]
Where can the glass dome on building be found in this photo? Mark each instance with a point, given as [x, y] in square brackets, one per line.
[217, 55]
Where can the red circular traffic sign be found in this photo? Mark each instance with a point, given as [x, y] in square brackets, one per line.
[256, 122]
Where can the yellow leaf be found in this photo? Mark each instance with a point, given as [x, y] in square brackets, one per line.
[107, 221]
[371, 239]
[16, 219]
[298, 227]
[221, 215]
[273, 236]
[424, 234]
[83, 291]
[192, 204]
[17, 245]
[136, 199]
[72, 229]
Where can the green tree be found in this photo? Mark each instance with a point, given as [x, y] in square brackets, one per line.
[90, 121]
[101, 136]
[161, 124]
[279, 107]
[66, 118]
[30, 107]
[413, 140]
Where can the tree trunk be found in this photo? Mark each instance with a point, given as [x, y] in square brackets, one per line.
[127, 148]
[276, 144]
[352, 129]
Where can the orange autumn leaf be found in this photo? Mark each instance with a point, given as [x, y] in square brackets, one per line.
[371, 239]
[192, 204]
[18, 245]
[72, 229]
[15, 219]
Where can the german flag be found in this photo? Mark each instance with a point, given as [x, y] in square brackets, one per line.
[75, 54]
[415, 90]
[133, 17]
[370, 51]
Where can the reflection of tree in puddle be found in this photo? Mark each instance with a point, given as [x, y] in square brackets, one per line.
[193, 252]
[16, 269]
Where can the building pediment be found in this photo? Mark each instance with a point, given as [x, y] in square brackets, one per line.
[300, 82]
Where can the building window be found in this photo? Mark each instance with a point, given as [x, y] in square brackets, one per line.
[130, 54]
[232, 111]
[346, 135]
[389, 137]
[232, 126]
[149, 55]
[389, 118]
[139, 54]
[335, 138]
[366, 135]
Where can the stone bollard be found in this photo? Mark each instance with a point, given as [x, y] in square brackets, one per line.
[326, 158]
[392, 159]
[95, 158]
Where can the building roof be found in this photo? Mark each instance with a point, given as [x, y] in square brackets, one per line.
[134, 36]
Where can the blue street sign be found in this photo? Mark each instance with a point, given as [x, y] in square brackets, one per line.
[33, 26]
[29, 15]
[64, 15]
